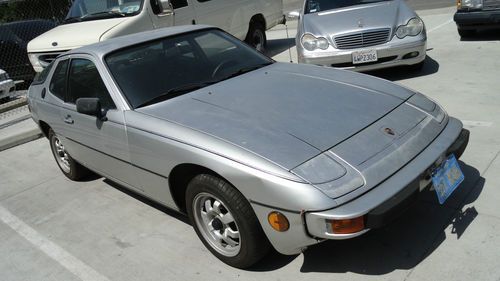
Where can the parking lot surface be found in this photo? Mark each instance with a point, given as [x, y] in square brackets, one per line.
[55, 229]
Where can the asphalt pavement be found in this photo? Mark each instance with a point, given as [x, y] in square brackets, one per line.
[55, 229]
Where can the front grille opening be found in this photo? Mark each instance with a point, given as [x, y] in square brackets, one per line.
[363, 39]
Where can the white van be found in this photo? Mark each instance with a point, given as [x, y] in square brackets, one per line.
[91, 21]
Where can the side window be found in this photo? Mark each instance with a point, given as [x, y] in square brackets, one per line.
[85, 82]
[58, 83]
[176, 4]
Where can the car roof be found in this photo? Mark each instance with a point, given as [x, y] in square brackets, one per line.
[108, 46]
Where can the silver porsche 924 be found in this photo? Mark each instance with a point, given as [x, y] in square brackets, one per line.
[360, 35]
[256, 153]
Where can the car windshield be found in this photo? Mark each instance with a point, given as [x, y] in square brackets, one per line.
[83, 10]
[169, 67]
[316, 6]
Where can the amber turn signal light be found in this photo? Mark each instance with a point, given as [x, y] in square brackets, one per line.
[278, 221]
[347, 226]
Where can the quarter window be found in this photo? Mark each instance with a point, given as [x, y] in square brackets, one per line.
[85, 82]
[58, 83]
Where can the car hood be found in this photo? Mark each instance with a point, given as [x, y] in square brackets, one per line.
[70, 36]
[286, 113]
[386, 14]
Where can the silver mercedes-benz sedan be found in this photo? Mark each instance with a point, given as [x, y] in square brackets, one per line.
[360, 35]
[258, 154]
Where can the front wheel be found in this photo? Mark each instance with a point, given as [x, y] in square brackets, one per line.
[225, 222]
[256, 36]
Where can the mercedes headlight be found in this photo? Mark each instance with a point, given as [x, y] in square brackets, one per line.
[413, 28]
[311, 42]
[474, 4]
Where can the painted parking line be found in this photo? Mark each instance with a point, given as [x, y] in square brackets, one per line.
[58, 254]
[439, 26]
[470, 123]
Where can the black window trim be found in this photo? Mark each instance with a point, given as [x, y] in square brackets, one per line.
[61, 60]
[76, 56]
[70, 59]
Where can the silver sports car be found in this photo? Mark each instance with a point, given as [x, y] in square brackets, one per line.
[257, 153]
[360, 34]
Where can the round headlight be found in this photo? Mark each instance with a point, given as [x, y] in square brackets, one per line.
[476, 4]
[311, 42]
[413, 28]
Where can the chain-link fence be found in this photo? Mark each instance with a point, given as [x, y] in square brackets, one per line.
[20, 22]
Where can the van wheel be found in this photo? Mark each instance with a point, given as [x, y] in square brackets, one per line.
[225, 222]
[256, 36]
[69, 167]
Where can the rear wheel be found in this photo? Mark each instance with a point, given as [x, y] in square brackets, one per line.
[464, 33]
[69, 167]
[225, 222]
[256, 36]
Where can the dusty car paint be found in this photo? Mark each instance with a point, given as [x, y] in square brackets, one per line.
[270, 133]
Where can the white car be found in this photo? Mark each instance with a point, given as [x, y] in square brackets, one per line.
[92, 21]
[7, 86]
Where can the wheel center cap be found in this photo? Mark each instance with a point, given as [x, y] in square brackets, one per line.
[217, 224]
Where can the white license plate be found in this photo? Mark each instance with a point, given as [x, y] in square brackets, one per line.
[364, 56]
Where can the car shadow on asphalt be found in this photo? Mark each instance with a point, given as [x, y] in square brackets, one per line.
[277, 46]
[402, 244]
[430, 66]
[483, 35]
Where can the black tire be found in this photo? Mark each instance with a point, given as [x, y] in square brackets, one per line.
[76, 171]
[253, 244]
[464, 33]
[256, 36]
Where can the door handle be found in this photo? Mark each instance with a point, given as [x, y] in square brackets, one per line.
[69, 120]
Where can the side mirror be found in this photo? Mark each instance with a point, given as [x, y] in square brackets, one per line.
[293, 15]
[92, 107]
[166, 8]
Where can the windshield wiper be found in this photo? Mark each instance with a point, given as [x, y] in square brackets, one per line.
[72, 19]
[245, 70]
[110, 13]
[177, 91]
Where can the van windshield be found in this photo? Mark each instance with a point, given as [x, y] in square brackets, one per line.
[84, 10]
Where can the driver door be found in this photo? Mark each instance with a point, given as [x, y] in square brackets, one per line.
[98, 144]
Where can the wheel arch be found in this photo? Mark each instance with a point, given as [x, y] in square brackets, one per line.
[258, 18]
[179, 178]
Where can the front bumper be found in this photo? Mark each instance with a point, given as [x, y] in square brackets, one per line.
[477, 19]
[378, 206]
[389, 55]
